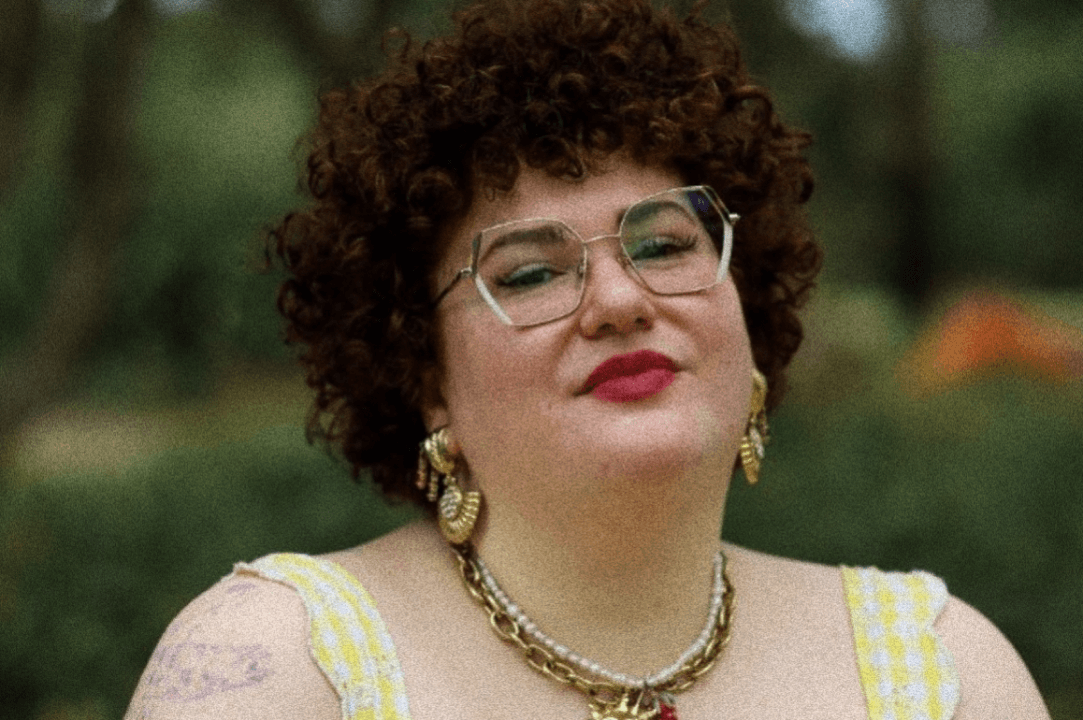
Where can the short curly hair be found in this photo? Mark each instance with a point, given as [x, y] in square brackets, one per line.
[559, 85]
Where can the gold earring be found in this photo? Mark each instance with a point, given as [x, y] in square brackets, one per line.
[752, 445]
[457, 510]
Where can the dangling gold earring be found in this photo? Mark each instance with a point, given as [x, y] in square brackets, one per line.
[457, 510]
[752, 445]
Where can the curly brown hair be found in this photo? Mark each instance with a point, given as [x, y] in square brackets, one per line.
[558, 85]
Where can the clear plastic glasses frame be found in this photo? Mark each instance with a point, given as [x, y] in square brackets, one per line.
[700, 204]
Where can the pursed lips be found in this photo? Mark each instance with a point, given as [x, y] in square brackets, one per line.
[628, 365]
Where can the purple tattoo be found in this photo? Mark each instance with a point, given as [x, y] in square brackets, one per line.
[240, 588]
[193, 671]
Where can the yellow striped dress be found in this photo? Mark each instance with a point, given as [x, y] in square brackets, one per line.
[906, 672]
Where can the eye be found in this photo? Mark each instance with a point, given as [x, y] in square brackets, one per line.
[657, 247]
[527, 277]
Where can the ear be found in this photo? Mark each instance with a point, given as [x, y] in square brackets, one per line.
[434, 412]
[435, 417]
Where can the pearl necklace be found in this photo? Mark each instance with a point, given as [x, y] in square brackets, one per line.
[615, 696]
[661, 677]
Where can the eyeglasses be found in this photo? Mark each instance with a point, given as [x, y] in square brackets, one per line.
[534, 271]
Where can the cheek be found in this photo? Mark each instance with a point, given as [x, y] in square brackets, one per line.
[492, 408]
[488, 378]
[728, 362]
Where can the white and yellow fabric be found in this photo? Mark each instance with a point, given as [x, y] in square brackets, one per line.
[348, 639]
[906, 672]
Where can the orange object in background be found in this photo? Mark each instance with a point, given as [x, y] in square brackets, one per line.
[985, 333]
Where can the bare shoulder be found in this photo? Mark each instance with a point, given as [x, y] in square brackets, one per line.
[792, 642]
[395, 568]
[799, 577]
[993, 679]
[805, 598]
[994, 682]
[239, 650]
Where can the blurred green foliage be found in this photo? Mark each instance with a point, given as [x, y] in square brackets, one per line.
[222, 107]
[1008, 123]
[94, 566]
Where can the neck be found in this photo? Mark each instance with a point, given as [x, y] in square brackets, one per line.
[623, 578]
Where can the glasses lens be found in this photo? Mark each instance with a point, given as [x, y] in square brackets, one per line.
[532, 269]
[674, 240]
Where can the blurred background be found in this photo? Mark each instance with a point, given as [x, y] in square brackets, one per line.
[150, 418]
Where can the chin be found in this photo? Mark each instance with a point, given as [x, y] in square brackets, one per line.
[658, 466]
[646, 450]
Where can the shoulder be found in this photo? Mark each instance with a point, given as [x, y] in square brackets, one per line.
[808, 592]
[783, 576]
[792, 643]
[239, 650]
[398, 567]
[994, 681]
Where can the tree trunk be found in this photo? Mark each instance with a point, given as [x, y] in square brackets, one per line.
[20, 38]
[104, 200]
[909, 173]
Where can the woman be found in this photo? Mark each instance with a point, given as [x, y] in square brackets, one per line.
[547, 290]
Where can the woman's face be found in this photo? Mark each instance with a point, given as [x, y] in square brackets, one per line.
[514, 398]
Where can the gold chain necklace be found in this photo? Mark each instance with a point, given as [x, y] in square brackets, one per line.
[608, 700]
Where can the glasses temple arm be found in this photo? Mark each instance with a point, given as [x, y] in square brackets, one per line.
[458, 276]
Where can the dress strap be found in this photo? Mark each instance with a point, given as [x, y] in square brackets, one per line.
[906, 671]
[348, 640]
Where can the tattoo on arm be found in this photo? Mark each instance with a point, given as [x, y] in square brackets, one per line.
[181, 670]
[186, 672]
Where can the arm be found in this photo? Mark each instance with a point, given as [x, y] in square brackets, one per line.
[239, 650]
[994, 682]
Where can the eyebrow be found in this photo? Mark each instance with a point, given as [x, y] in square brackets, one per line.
[545, 231]
[546, 234]
[655, 207]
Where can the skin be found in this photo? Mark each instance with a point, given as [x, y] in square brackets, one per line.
[601, 522]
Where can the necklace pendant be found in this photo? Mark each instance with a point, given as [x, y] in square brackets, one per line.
[624, 709]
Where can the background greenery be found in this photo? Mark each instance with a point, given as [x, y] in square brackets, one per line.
[161, 441]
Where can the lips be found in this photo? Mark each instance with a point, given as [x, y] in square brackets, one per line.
[635, 376]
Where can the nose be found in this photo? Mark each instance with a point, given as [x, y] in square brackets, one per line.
[614, 298]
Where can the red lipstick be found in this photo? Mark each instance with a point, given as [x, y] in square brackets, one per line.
[635, 376]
